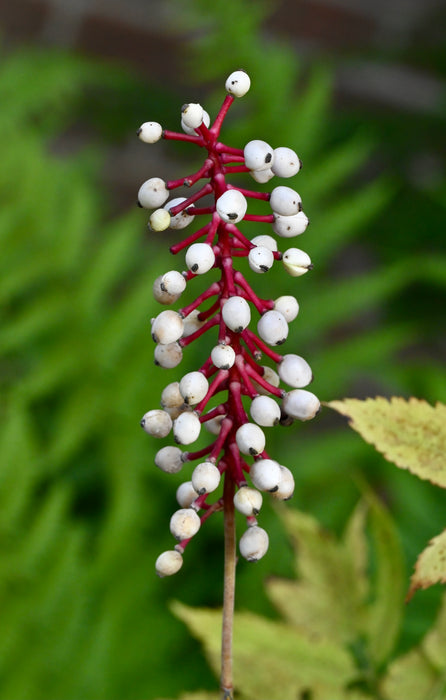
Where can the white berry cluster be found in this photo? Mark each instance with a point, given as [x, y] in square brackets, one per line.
[250, 394]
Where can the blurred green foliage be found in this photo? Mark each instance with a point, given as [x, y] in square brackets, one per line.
[83, 512]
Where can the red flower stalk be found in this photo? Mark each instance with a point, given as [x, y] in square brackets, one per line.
[231, 383]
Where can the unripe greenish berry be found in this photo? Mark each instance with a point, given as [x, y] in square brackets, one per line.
[159, 220]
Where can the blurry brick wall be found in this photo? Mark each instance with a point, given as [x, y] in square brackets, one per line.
[348, 33]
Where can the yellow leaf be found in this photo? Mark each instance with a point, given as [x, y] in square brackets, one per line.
[431, 565]
[411, 434]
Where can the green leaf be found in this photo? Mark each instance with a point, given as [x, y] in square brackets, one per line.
[272, 658]
[421, 673]
[412, 433]
[431, 565]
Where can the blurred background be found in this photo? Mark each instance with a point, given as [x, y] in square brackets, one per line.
[358, 90]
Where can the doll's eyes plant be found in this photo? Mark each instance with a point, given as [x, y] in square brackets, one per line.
[233, 394]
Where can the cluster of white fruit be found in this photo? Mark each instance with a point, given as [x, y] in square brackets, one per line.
[183, 403]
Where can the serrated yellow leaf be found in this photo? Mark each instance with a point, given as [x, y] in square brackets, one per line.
[431, 565]
[272, 661]
[411, 434]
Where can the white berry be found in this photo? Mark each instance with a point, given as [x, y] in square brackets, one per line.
[258, 155]
[231, 206]
[286, 162]
[238, 83]
[250, 439]
[157, 423]
[236, 314]
[223, 356]
[265, 474]
[186, 428]
[192, 323]
[301, 404]
[260, 259]
[182, 219]
[189, 130]
[214, 424]
[192, 115]
[193, 387]
[254, 543]
[200, 258]
[248, 501]
[265, 241]
[286, 485]
[168, 356]
[150, 132]
[272, 327]
[167, 327]
[288, 307]
[285, 201]
[262, 176]
[184, 523]
[271, 377]
[186, 494]
[205, 478]
[290, 226]
[159, 220]
[161, 295]
[296, 262]
[173, 282]
[168, 563]
[152, 193]
[295, 371]
[265, 411]
[169, 459]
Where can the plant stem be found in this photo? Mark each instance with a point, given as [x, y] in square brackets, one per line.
[228, 590]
